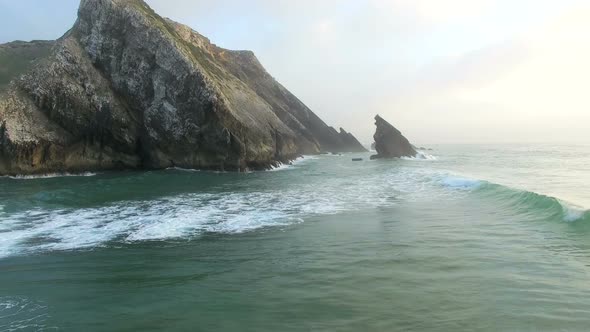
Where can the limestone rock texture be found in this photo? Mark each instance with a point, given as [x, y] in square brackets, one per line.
[389, 142]
[128, 89]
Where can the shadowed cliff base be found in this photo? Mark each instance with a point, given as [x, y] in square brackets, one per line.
[128, 89]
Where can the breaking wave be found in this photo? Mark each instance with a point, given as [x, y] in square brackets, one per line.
[294, 163]
[421, 155]
[183, 216]
[520, 200]
[236, 207]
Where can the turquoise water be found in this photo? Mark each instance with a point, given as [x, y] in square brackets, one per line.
[468, 238]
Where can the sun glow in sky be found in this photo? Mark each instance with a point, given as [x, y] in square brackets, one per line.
[443, 71]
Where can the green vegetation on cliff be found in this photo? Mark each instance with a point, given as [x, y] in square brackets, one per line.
[18, 57]
[126, 88]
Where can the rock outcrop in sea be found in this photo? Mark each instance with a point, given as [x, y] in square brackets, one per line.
[389, 142]
[128, 89]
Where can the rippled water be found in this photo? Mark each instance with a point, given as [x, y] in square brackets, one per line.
[464, 238]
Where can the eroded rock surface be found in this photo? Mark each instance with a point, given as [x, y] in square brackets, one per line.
[389, 142]
[126, 88]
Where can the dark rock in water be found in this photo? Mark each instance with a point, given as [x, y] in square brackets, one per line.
[126, 88]
[357, 159]
[389, 142]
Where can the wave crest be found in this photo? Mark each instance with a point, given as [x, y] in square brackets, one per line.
[526, 201]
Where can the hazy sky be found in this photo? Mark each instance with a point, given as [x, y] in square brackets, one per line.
[442, 71]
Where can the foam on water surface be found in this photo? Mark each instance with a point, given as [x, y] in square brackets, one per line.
[189, 215]
[293, 164]
[457, 182]
[22, 314]
[421, 156]
[574, 213]
[182, 216]
[308, 191]
[281, 167]
[50, 176]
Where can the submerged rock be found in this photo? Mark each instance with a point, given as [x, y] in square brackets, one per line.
[389, 142]
[126, 88]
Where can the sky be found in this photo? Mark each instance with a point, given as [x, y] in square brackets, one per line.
[441, 71]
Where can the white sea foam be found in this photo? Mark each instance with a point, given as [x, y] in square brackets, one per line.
[456, 182]
[421, 156]
[49, 176]
[281, 167]
[182, 169]
[305, 159]
[7, 304]
[183, 216]
[572, 212]
[22, 314]
[186, 216]
[297, 162]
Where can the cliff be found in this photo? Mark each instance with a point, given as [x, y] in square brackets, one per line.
[126, 88]
[389, 142]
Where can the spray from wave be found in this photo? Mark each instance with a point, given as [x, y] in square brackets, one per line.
[456, 182]
[297, 162]
[421, 156]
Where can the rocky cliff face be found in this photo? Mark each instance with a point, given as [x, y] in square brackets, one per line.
[351, 142]
[18, 57]
[125, 88]
[389, 142]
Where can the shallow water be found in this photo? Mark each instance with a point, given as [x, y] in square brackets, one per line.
[479, 238]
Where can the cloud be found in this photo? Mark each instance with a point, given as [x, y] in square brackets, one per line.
[436, 11]
[553, 81]
[441, 70]
[532, 88]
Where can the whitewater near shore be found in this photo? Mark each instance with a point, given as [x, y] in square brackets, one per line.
[89, 210]
[488, 237]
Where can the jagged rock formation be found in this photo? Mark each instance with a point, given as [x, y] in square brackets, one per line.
[125, 88]
[352, 144]
[18, 57]
[389, 142]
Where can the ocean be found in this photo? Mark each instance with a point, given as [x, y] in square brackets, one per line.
[461, 238]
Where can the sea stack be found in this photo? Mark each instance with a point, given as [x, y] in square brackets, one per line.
[389, 142]
[128, 89]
